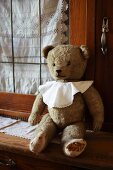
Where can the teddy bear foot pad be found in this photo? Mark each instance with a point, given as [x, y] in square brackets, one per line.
[38, 143]
[74, 147]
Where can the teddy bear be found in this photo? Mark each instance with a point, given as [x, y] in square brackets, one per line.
[66, 98]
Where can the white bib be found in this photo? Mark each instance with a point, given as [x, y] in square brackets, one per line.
[61, 94]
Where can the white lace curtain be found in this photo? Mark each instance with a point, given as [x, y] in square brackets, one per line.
[26, 27]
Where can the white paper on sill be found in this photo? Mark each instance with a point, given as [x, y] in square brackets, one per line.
[20, 128]
[16, 128]
[5, 122]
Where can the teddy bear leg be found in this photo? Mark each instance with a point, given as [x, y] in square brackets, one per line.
[72, 139]
[45, 131]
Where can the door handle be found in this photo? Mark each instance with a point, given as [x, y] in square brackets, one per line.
[105, 29]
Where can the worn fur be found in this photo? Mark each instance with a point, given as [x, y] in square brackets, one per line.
[72, 61]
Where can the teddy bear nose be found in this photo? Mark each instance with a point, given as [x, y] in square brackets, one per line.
[58, 71]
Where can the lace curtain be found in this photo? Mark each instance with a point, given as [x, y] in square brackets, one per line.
[26, 27]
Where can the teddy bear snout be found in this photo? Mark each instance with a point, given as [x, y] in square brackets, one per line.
[58, 71]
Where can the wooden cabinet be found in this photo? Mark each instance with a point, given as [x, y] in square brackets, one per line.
[15, 153]
[16, 161]
[104, 63]
[86, 28]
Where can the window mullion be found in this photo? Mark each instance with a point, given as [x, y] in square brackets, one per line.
[12, 46]
[40, 41]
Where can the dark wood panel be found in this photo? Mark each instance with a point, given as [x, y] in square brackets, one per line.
[90, 37]
[29, 163]
[100, 68]
[98, 154]
[78, 22]
[104, 64]
[82, 29]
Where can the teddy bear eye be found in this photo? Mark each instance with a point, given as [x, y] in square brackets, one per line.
[68, 63]
[53, 64]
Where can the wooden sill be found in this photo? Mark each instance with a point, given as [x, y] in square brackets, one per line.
[98, 154]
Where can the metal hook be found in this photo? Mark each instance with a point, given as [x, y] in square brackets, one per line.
[105, 29]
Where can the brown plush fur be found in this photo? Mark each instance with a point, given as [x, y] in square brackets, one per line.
[72, 62]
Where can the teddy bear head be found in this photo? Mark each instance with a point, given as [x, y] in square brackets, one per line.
[66, 62]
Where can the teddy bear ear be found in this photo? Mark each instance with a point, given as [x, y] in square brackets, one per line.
[85, 51]
[46, 50]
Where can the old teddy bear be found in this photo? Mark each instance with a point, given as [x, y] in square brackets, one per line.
[66, 98]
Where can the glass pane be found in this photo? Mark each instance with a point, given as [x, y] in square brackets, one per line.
[53, 22]
[26, 31]
[26, 19]
[5, 31]
[45, 74]
[27, 78]
[26, 27]
[6, 77]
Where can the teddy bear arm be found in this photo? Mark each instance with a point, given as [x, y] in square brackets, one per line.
[95, 106]
[37, 109]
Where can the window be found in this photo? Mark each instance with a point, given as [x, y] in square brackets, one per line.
[26, 27]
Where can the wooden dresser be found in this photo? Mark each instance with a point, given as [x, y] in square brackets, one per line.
[15, 153]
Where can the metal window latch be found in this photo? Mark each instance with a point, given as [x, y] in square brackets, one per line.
[105, 29]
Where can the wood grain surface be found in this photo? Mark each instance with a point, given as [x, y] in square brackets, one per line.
[98, 154]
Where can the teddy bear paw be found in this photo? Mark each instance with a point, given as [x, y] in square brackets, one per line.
[74, 147]
[38, 143]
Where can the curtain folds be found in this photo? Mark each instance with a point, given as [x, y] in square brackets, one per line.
[34, 26]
